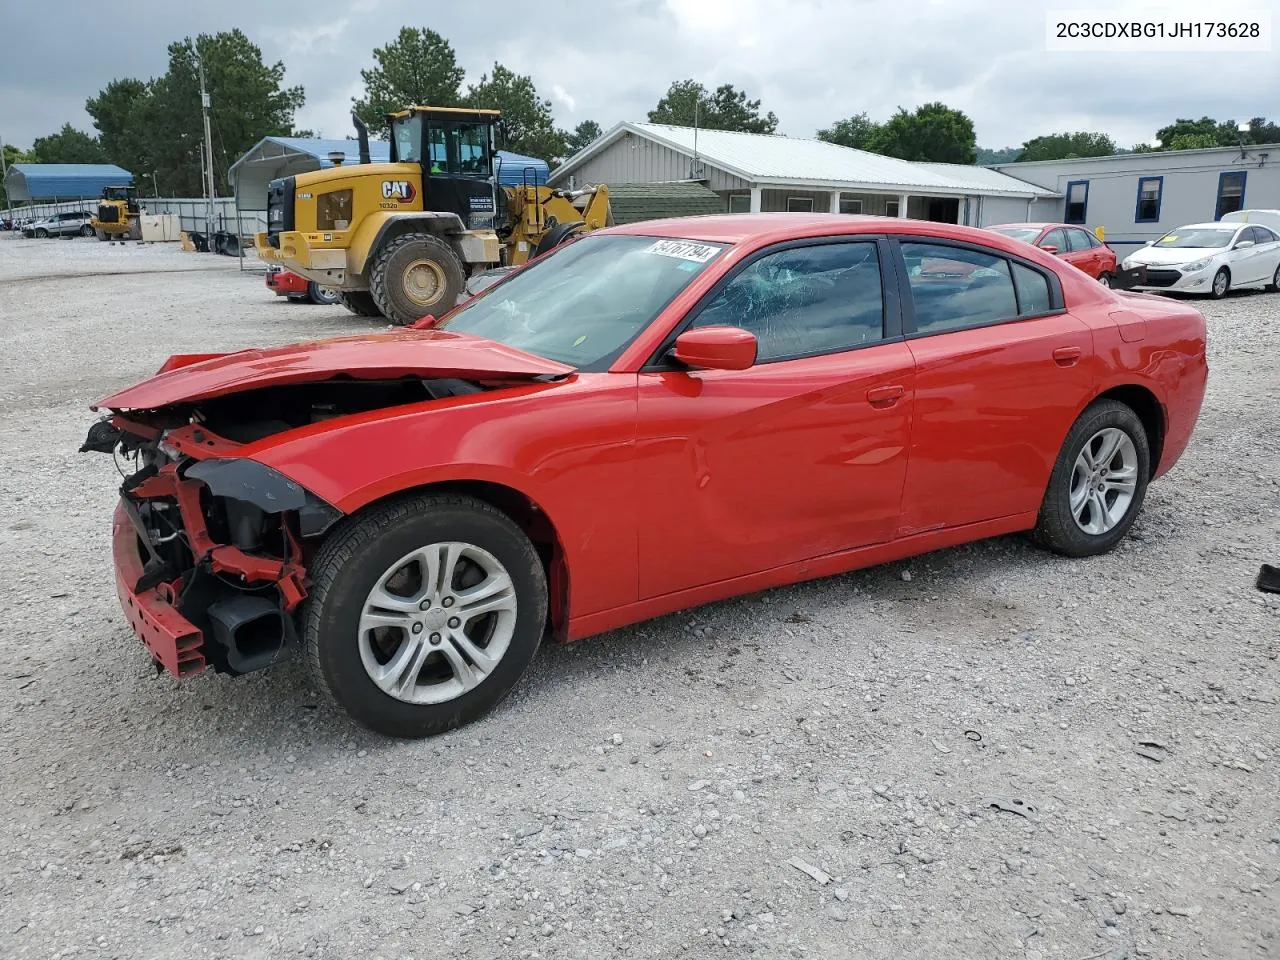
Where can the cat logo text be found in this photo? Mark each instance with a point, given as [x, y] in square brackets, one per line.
[401, 190]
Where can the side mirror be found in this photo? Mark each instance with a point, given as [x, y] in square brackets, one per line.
[716, 348]
[1244, 243]
[1050, 249]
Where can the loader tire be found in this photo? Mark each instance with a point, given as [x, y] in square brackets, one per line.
[414, 276]
[359, 302]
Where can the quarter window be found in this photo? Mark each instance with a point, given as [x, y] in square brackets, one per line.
[1077, 201]
[953, 288]
[1230, 194]
[804, 300]
[1033, 291]
[1149, 192]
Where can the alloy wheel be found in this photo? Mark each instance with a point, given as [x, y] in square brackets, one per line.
[1104, 479]
[437, 623]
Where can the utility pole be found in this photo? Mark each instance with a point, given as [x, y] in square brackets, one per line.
[207, 159]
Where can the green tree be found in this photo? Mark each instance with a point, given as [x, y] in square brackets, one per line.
[12, 155]
[932, 132]
[118, 112]
[526, 125]
[248, 102]
[1067, 146]
[1205, 132]
[583, 134]
[726, 108]
[418, 68]
[857, 131]
[68, 145]
[987, 155]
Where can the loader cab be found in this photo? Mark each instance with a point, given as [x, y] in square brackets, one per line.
[454, 146]
[127, 194]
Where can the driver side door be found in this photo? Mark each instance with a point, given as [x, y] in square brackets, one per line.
[802, 454]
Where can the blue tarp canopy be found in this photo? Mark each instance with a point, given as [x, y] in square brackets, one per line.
[63, 181]
[273, 157]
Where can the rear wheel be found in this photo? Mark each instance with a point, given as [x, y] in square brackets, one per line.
[1098, 483]
[1104, 279]
[1221, 284]
[1275, 280]
[424, 613]
[359, 302]
[319, 294]
[41, 233]
[86, 230]
[416, 275]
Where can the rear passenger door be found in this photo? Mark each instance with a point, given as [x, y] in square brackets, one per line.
[1082, 253]
[1002, 369]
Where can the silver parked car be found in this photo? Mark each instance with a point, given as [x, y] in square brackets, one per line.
[61, 225]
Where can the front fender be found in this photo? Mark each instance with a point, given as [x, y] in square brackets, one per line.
[374, 227]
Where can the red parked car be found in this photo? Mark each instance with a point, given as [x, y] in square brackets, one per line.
[649, 418]
[1077, 246]
[298, 289]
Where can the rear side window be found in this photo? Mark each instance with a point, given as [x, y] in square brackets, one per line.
[1264, 235]
[953, 288]
[1033, 291]
[804, 301]
[1078, 240]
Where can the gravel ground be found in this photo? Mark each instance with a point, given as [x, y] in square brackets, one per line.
[647, 793]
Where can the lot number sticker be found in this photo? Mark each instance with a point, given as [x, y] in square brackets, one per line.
[684, 250]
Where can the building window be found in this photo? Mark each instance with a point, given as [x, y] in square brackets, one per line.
[850, 204]
[1077, 201]
[799, 204]
[891, 208]
[1149, 194]
[1230, 194]
[739, 203]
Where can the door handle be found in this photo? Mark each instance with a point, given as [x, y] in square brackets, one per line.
[885, 396]
[1067, 356]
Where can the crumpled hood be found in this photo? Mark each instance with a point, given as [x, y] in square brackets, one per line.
[1171, 256]
[405, 353]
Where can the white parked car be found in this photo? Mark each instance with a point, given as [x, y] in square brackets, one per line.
[1210, 258]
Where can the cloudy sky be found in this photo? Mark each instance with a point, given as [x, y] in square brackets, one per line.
[810, 61]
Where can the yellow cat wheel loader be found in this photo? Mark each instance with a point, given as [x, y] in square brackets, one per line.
[400, 239]
[118, 215]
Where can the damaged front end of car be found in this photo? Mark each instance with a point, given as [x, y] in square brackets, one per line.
[209, 547]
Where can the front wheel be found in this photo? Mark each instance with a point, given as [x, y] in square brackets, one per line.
[1098, 484]
[1221, 284]
[414, 276]
[424, 613]
[41, 234]
[86, 230]
[359, 302]
[319, 294]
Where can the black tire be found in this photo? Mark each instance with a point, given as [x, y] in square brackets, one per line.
[556, 236]
[1214, 292]
[318, 294]
[42, 234]
[1056, 527]
[1104, 279]
[353, 559]
[359, 302]
[389, 281]
[1274, 285]
[100, 233]
[86, 230]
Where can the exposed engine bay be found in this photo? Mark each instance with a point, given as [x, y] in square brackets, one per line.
[212, 547]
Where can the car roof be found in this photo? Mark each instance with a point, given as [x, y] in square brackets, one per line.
[1215, 225]
[735, 228]
[1044, 225]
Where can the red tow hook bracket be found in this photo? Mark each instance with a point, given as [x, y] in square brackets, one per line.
[426, 323]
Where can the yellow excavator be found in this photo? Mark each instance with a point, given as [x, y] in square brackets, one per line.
[400, 239]
[118, 215]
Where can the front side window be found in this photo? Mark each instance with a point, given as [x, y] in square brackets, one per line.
[586, 300]
[1149, 190]
[1230, 194]
[953, 287]
[459, 149]
[1077, 201]
[1056, 239]
[804, 300]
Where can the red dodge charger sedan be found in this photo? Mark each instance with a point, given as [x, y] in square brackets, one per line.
[651, 417]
